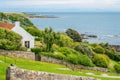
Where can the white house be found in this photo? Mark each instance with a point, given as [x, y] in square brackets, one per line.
[27, 39]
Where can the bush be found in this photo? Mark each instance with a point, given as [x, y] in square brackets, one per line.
[101, 60]
[23, 49]
[70, 55]
[36, 50]
[59, 56]
[117, 68]
[65, 50]
[64, 41]
[104, 45]
[84, 49]
[99, 49]
[35, 32]
[75, 57]
[72, 58]
[94, 45]
[84, 60]
[9, 40]
[112, 55]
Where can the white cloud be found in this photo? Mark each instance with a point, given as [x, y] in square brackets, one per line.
[76, 4]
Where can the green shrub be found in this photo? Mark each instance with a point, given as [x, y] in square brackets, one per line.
[84, 49]
[65, 50]
[72, 58]
[75, 57]
[48, 54]
[84, 60]
[117, 68]
[94, 45]
[64, 41]
[9, 40]
[35, 32]
[59, 56]
[112, 55]
[23, 49]
[98, 49]
[104, 45]
[70, 55]
[36, 50]
[101, 60]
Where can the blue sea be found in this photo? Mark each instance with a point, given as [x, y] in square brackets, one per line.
[105, 25]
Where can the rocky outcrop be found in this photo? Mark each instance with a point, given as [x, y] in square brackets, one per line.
[14, 73]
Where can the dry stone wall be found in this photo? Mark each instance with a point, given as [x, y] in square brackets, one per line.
[18, 54]
[32, 56]
[14, 73]
[69, 65]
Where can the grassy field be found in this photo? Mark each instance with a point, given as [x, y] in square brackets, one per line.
[46, 67]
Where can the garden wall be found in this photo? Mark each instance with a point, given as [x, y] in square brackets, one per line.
[69, 65]
[32, 56]
[14, 73]
[18, 54]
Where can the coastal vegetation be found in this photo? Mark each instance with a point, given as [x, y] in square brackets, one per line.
[11, 18]
[10, 40]
[76, 52]
[68, 46]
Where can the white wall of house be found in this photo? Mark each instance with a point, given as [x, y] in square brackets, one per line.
[25, 35]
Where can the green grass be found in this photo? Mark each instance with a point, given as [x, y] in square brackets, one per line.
[45, 67]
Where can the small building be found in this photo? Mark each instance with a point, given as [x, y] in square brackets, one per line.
[27, 39]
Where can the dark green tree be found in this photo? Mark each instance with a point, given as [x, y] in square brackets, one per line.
[74, 35]
[3, 17]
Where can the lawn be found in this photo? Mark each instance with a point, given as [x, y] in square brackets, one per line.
[46, 67]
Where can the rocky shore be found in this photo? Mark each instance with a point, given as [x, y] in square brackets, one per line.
[87, 36]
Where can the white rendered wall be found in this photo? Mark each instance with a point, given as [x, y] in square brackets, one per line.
[25, 35]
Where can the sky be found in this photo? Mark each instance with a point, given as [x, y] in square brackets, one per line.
[60, 5]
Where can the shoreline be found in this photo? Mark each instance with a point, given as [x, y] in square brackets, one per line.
[41, 16]
[31, 15]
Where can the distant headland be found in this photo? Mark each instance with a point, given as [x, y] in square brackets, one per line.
[32, 15]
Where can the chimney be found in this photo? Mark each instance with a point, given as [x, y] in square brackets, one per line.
[17, 24]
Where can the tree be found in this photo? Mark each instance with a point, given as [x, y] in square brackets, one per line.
[3, 17]
[74, 35]
[50, 37]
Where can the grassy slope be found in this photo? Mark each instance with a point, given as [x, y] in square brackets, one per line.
[41, 66]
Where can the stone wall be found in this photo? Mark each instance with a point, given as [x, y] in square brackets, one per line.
[69, 65]
[18, 54]
[32, 56]
[14, 73]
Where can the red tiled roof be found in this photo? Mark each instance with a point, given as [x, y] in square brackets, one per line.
[6, 25]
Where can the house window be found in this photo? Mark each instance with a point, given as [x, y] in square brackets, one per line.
[27, 44]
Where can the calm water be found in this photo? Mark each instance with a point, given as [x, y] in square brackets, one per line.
[105, 25]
